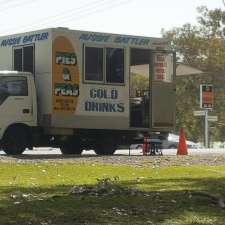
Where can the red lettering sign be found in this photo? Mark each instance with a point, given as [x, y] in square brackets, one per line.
[160, 67]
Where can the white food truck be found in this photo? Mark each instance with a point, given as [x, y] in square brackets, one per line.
[82, 90]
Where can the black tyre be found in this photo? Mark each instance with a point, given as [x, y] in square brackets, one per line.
[15, 141]
[106, 146]
[71, 147]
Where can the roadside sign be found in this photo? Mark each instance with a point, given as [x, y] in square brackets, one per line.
[199, 113]
[206, 96]
[213, 118]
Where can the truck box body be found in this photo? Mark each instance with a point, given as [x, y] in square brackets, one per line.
[62, 62]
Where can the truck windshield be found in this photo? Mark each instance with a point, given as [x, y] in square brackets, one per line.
[12, 86]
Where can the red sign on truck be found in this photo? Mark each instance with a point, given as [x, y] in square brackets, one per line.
[163, 67]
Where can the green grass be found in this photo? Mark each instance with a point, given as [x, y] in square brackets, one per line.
[164, 198]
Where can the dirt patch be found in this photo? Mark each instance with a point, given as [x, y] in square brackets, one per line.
[136, 161]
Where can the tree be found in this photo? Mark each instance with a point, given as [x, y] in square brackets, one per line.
[201, 46]
[139, 82]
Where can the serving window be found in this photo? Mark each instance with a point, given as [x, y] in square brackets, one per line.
[104, 65]
[115, 65]
[93, 64]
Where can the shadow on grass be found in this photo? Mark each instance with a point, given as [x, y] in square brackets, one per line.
[160, 203]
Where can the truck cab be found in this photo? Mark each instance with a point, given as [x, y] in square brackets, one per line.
[18, 110]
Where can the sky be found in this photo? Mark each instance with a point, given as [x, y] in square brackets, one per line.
[134, 17]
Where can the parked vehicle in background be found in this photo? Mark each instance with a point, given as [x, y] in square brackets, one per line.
[171, 143]
[173, 140]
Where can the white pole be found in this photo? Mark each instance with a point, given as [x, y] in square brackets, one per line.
[206, 130]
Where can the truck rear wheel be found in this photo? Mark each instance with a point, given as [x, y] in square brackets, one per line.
[15, 141]
[71, 147]
[106, 146]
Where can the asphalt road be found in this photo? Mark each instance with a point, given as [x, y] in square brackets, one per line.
[55, 151]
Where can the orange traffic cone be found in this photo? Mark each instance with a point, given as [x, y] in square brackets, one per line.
[182, 146]
[145, 146]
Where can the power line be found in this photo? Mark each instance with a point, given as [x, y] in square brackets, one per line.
[62, 14]
[76, 13]
[15, 4]
[91, 12]
[7, 1]
[68, 13]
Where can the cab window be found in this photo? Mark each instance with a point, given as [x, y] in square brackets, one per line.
[13, 86]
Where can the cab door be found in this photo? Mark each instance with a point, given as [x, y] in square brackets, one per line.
[163, 92]
[15, 99]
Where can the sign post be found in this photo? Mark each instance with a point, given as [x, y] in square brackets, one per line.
[206, 130]
[206, 103]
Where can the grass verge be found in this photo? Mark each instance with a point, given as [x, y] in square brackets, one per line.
[39, 193]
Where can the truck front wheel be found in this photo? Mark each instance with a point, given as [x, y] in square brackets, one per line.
[15, 141]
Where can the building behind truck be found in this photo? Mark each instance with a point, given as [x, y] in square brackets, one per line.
[75, 90]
